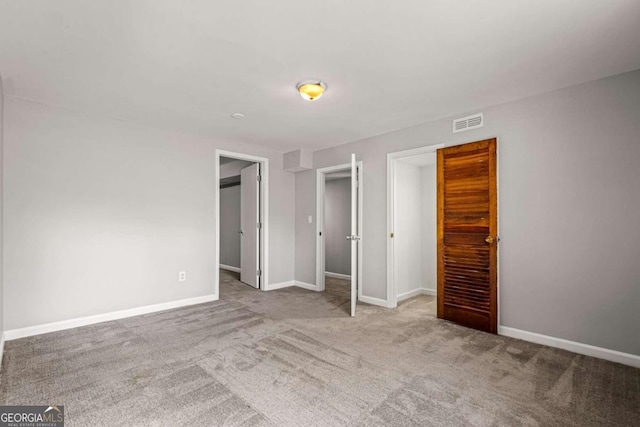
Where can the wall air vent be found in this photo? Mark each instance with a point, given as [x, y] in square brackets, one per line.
[467, 123]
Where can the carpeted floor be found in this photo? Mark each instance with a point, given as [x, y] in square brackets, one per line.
[294, 357]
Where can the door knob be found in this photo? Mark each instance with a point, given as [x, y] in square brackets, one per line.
[489, 239]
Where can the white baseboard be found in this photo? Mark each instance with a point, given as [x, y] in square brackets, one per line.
[1, 348]
[373, 301]
[99, 318]
[368, 300]
[305, 285]
[576, 347]
[337, 275]
[274, 286]
[415, 292]
[297, 283]
[230, 268]
[406, 295]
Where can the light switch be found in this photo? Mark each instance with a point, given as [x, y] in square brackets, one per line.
[310, 219]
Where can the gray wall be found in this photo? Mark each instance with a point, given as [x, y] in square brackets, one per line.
[337, 225]
[101, 215]
[428, 227]
[305, 233]
[568, 214]
[415, 228]
[229, 226]
[408, 221]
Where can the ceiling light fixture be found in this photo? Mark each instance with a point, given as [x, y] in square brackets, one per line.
[237, 116]
[311, 89]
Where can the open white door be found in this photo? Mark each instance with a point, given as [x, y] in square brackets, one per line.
[354, 238]
[250, 225]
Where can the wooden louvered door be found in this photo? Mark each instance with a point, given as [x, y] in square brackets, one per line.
[468, 235]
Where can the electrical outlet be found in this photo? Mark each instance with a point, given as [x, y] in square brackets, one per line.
[182, 276]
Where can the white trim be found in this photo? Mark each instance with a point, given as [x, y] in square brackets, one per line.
[415, 292]
[337, 275]
[305, 285]
[320, 191]
[230, 268]
[406, 295]
[2, 337]
[320, 186]
[15, 334]
[360, 225]
[373, 301]
[291, 283]
[281, 285]
[264, 209]
[392, 296]
[576, 347]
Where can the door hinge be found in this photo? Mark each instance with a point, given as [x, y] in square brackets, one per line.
[259, 273]
[259, 225]
[259, 177]
[391, 235]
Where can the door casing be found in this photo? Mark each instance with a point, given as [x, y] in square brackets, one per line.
[320, 247]
[264, 209]
[391, 158]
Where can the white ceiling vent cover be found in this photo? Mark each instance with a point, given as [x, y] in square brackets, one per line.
[467, 123]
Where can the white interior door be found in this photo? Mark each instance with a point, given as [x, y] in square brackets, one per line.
[250, 225]
[355, 238]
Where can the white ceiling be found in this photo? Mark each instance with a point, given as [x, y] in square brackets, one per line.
[187, 65]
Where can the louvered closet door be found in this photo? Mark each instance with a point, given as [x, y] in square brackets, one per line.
[467, 235]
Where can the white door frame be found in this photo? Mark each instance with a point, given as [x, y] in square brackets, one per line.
[392, 158]
[264, 210]
[320, 249]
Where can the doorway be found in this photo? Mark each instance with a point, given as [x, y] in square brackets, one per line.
[339, 231]
[411, 243]
[466, 224]
[241, 205]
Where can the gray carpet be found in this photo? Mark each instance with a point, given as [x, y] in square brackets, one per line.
[294, 357]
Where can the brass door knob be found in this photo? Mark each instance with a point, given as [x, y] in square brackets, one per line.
[489, 239]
